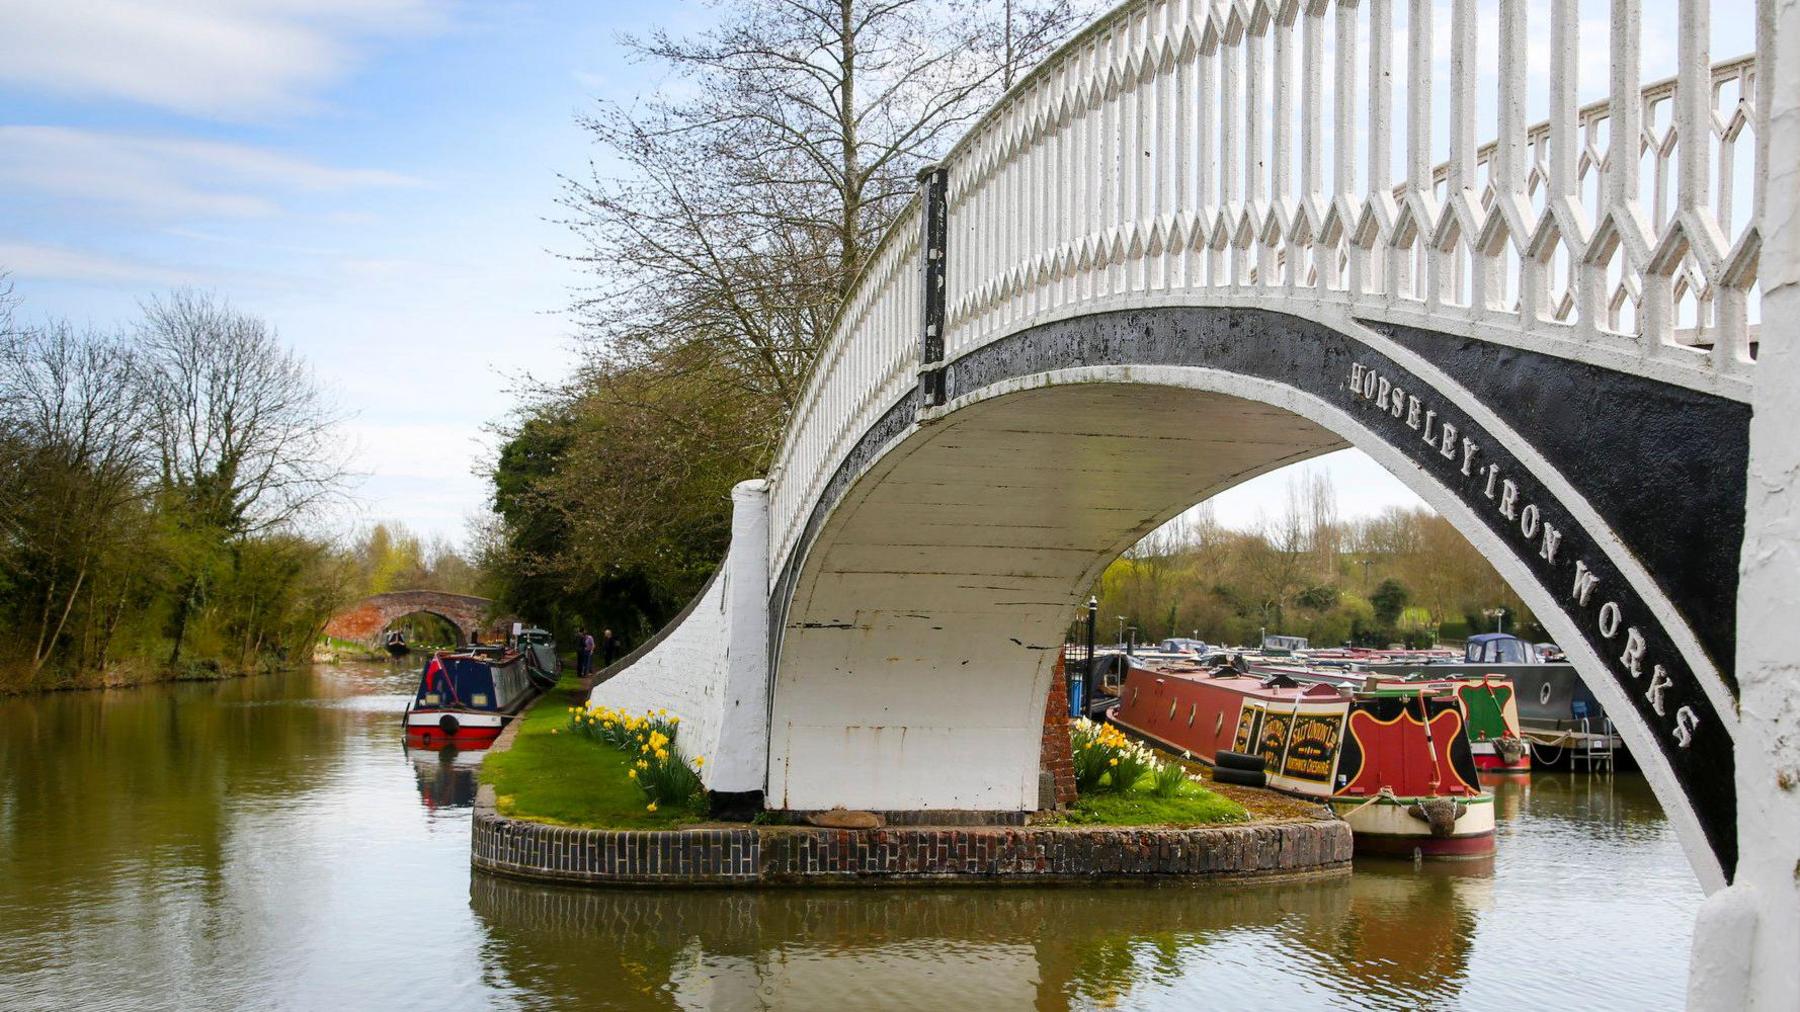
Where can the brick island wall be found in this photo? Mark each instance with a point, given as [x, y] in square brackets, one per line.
[790, 855]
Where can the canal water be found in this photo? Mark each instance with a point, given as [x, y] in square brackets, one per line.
[269, 843]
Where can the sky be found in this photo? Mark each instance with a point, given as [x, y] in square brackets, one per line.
[379, 179]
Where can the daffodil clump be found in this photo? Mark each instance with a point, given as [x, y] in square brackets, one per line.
[1107, 760]
[659, 770]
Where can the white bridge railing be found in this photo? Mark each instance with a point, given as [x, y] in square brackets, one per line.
[1188, 152]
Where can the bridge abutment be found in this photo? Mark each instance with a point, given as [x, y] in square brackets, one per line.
[712, 669]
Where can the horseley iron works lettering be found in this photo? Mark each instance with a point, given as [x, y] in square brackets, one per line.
[1543, 540]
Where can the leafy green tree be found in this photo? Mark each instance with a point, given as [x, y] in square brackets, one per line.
[1321, 598]
[1389, 599]
[614, 497]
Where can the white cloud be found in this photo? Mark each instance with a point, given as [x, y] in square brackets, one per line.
[50, 263]
[429, 452]
[224, 58]
[168, 177]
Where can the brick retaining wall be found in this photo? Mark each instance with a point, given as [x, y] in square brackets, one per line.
[773, 855]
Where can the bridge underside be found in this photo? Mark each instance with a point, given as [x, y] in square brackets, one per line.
[935, 599]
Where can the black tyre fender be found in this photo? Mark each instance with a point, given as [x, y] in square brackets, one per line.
[1242, 778]
[448, 724]
[1229, 760]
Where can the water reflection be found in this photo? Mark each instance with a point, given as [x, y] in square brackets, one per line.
[270, 843]
[1358, 938]
[1394, 938]
[447, 776]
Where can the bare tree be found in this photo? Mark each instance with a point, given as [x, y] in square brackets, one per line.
[245, 441]
[243, 435]
[11, 442]
[71, 416]
[747, 208]
[1280, 560]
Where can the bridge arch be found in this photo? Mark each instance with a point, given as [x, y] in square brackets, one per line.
[918, 616]
[365, 620]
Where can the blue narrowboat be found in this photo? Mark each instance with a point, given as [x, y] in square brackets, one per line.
[466, 697]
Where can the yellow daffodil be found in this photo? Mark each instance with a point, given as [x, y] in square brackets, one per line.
[662, 754]
[631, 773]
[699, 760]
[643, 764]
[651, 807]
[553, 730]
[1112, 762]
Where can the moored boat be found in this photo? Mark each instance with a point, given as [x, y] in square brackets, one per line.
[396, 644]
[1491, 717]
[1559, 717]
[1488, 702]
[466, 697]
[1394, 761]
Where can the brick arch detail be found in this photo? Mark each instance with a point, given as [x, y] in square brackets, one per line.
[366, 619]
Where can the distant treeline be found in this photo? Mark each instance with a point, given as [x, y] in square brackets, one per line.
[158, 486]
[1405, 575]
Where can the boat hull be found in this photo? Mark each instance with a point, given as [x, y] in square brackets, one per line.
[1489, 760]
[1388, 828]
[436, 728]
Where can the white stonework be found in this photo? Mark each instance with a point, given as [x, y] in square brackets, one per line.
[712, 670]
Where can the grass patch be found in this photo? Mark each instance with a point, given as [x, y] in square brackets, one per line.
[1192, 805]
[567, 780]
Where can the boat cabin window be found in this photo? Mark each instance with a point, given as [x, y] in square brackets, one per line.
[1499, 650]
[478, 699]
[432, 698]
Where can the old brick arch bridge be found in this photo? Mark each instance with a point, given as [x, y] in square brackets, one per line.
[365, 620]
[1169, 260]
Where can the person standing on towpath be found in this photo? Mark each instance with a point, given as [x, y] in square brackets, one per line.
[584, 654]
[609, 649]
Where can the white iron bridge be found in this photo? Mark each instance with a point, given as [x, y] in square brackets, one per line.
[1207, 239]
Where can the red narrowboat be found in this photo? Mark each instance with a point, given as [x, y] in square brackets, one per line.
[1393, 761]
